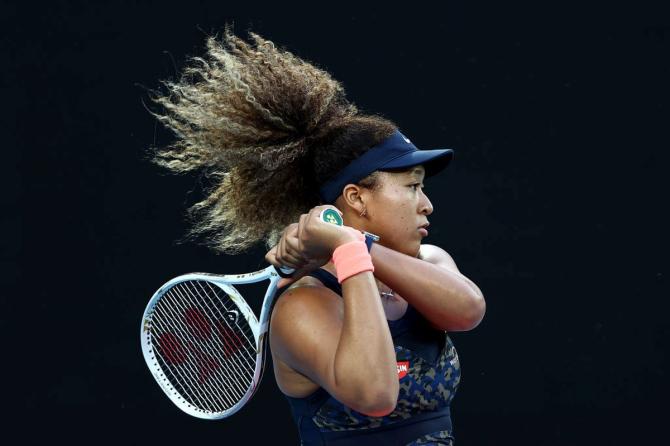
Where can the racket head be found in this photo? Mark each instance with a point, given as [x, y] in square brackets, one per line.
[203, 344]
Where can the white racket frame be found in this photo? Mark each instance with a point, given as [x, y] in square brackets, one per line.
[259, 329]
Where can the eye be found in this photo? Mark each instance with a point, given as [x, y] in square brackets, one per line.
[415, 186]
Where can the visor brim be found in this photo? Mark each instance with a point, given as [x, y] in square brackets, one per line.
[434, 161]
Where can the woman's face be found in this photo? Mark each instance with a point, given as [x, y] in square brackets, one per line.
[399, 209]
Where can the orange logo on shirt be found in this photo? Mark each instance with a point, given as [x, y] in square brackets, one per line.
[403, 368]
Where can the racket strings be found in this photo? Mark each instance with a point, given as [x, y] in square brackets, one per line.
[230, 346]
[190, 371]
[249, 337]
[247, 367]
[203, 393]
[189, 331]
[184, 375]
[205, 340]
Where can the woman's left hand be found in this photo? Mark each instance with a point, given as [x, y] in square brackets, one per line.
[287, 253]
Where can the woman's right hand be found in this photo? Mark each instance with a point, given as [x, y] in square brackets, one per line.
[310, 243]
[318, 239]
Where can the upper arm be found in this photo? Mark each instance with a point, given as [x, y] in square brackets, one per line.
[308, 334]
[305, 330]
[438, 256]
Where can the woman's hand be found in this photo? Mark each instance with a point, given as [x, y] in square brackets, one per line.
[309, 244]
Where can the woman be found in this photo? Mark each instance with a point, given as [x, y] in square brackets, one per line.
[358, 339]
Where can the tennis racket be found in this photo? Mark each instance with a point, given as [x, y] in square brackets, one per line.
[203, 343]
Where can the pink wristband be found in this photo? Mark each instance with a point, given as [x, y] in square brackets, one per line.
[352, 258]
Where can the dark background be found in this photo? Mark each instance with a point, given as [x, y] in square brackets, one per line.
[554, 206]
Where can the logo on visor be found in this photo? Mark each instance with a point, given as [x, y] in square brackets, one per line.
[406, 139]
[403, 368]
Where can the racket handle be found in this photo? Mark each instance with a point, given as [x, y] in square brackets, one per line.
[327, 215]
[285, 272]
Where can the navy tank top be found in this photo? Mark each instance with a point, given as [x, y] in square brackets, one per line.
[429, 373]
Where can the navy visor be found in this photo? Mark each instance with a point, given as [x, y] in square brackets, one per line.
[395, 152]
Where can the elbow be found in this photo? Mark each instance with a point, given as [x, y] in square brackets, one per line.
[475, 314]
[379, 405]
[379, 402]
[469, 318]
[379, 412]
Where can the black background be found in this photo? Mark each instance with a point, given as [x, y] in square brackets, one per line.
[554, 206]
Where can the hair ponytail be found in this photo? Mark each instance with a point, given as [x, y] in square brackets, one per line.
[267, 128]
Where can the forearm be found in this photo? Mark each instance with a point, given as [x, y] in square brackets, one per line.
[365, 359]
[448, 299]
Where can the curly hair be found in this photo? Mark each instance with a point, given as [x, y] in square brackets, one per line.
[267, 129]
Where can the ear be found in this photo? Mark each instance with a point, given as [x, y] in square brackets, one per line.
[354, 197]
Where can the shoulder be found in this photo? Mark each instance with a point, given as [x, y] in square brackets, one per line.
[308, 293]
[437, 256]
[306, 315]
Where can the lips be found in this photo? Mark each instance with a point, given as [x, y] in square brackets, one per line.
[423, 229]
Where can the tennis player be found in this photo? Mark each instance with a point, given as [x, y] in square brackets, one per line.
[359, 337]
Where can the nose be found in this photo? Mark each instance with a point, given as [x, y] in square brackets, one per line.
[425, 206]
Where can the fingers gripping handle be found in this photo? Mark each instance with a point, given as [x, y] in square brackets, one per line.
[328, 215]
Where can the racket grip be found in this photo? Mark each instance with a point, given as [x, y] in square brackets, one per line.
[285, 272]
[328, 215]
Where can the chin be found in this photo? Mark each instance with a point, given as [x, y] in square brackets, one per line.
[413, 249]
[409, 247]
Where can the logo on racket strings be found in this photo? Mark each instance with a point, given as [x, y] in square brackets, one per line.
[202, 337]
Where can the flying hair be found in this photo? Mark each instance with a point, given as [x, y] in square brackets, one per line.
[266, 129]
